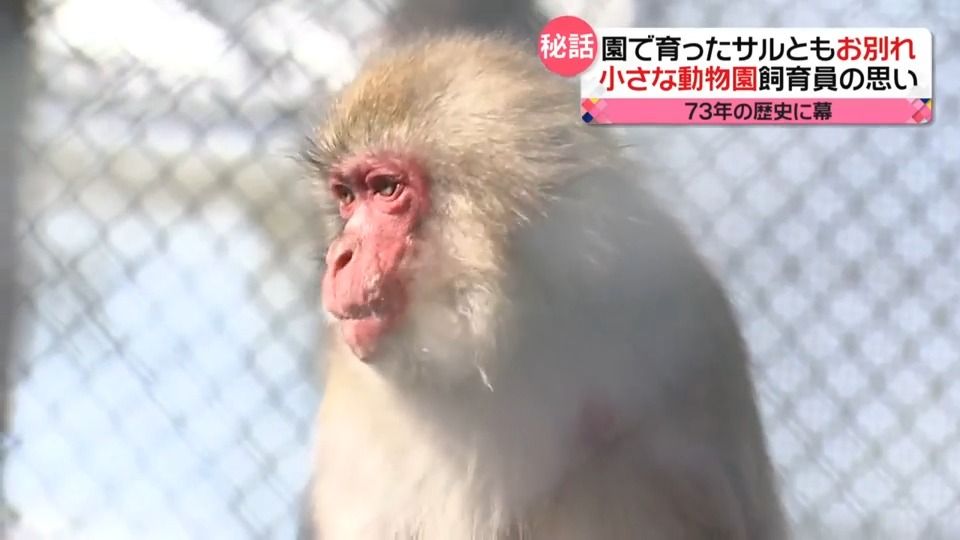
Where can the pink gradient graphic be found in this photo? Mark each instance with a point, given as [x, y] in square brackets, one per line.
[677, 111]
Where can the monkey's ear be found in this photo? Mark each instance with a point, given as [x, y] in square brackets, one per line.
[517, 18]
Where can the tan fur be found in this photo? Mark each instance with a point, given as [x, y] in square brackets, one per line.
[546, 281]
[485, 117]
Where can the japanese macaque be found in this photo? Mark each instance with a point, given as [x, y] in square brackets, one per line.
[521, 345]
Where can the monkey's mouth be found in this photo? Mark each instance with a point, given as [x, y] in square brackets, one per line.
[364, 324]
[357, 312]
[364, 315]
[363, 335]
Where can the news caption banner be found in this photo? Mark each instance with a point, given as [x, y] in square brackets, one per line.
[744, 76]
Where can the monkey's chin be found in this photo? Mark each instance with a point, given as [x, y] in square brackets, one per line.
[363, 335]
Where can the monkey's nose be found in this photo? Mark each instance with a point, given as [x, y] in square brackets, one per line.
[341, 259]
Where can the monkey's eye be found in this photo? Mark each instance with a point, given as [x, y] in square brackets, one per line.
[385, 186]
[343, 193]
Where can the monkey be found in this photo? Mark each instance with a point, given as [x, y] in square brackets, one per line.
[521, 343]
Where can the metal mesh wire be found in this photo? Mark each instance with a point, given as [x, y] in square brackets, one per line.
[163, 384]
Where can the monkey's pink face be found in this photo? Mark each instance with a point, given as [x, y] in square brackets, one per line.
[382, 200]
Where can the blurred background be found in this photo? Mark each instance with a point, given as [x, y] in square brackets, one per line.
[157, 381]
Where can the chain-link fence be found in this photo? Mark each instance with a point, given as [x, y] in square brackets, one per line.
[162, 386]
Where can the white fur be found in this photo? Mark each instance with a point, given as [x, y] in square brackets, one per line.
[470, 428]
